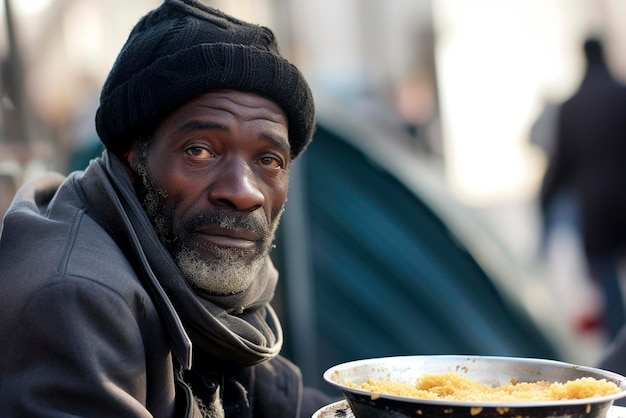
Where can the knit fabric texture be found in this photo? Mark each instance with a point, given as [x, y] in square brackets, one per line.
[183, 49]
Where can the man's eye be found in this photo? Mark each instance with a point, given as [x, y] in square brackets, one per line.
[270, 162]
[199, 152]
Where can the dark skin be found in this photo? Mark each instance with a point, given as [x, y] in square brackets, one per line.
[226, 151]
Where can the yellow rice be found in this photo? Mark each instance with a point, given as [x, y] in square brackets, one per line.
[455, 387]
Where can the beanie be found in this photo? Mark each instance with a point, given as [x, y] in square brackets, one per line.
[183, 49]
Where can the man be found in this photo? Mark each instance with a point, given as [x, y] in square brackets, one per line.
[142, 286]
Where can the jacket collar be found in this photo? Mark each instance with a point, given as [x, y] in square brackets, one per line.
[106, 207]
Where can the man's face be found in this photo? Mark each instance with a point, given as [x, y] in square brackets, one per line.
[214, 179]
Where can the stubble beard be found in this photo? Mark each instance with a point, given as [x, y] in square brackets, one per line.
[230, 270]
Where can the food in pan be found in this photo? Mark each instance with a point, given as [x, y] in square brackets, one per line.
[456, 387]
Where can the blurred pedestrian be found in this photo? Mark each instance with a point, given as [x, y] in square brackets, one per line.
[589, 159]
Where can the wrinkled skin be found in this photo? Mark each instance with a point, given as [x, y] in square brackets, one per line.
[213, 178]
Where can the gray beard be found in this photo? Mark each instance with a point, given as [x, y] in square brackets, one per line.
[229, 272]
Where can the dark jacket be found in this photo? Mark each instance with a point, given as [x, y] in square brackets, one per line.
[87, 332]
[590, 155]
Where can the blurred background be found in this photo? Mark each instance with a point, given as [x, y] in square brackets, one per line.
[413, 224]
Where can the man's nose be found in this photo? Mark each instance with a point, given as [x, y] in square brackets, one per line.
[236, 187]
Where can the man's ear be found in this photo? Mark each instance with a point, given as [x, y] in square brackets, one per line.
[131, 155]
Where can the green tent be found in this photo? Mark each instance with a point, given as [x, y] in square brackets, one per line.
[376, 262]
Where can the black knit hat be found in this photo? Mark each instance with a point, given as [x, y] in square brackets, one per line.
[184, 49]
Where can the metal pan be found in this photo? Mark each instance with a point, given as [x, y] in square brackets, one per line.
[494, 371]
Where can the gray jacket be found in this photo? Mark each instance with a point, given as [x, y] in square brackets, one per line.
[86, 332]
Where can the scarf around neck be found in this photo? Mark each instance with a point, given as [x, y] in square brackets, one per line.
[241, 328]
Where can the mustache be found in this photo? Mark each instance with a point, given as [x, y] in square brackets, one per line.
[229, 220]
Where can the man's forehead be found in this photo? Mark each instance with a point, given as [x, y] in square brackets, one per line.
[239, 103]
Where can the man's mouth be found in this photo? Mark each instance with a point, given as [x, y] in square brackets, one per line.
[241, 239]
